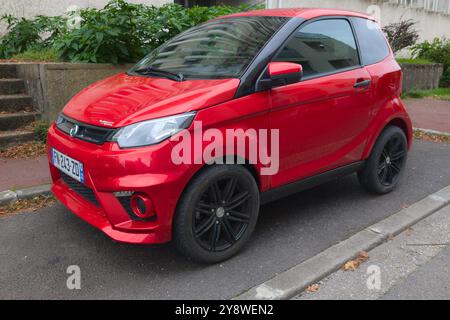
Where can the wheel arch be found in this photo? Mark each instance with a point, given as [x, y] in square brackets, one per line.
[401, 122]
[235, 160]
[238, 160]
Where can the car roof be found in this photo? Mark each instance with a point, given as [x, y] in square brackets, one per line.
[304, 13]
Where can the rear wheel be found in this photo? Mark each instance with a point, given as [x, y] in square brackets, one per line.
[216, 214]
[384, 168]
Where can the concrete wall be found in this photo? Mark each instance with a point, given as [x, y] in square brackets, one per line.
[52, 85]
[430, 24]
[421, 77]
[31, 8]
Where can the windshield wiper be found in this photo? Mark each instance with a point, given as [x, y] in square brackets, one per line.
[159, 72]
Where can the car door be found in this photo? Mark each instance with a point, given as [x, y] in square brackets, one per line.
[321, 119]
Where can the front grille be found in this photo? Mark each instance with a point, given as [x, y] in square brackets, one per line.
[80, 189]
[89, 133]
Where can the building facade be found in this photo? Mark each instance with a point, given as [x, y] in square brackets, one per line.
[432, 16]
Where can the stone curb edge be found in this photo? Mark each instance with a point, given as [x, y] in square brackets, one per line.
[295, 280]
[434, 132]
[9, 196]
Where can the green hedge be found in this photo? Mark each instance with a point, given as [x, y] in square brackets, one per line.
[120, 32]
[437, 51]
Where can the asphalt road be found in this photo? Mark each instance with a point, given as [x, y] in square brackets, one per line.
[36, 249]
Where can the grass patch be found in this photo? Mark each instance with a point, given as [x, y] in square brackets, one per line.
[46, 55]
[438, 93]
[413, 61]
[30, 205]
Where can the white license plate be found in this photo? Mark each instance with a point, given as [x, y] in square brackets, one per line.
[68, 165]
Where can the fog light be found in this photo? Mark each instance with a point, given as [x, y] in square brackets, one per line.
[142, 206]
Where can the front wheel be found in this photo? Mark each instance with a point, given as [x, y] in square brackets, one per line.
[216, 214]
[386, 163]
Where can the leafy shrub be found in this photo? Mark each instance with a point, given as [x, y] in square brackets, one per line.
[106, 35]
[120, 32]
[40, 131]
[24, 34]
[445, 80]
[401, 34]
[437, 51]
[125, 32]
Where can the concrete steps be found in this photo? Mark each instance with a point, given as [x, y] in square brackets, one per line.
[11, 86]
[16, 108]
[11, 138]
[8, 71]
[12, 121]
[15, 103]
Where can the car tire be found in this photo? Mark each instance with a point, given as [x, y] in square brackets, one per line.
[217, 213]
[385, 165]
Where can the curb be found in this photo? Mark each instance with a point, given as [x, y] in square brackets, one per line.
[9, 196]
[433, 132]
[295, 280]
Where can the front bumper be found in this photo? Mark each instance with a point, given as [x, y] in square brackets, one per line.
[109, 169]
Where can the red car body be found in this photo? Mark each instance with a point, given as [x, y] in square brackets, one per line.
[353, 119]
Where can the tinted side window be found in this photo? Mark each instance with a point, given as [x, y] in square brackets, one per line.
[371, 41]
[321, 47]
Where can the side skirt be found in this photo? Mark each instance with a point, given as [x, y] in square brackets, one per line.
[310, 182]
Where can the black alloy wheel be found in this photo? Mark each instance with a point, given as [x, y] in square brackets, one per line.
[222, 214]
[391, 161]
[217, 213]
[385, 165]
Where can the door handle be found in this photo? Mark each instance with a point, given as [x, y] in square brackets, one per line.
[362, 84]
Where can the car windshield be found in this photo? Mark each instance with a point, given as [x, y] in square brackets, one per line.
[218, 49]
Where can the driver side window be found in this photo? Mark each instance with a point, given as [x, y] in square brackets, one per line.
[322, 47]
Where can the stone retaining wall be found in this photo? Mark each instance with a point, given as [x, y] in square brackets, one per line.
[421, 76]
[52, 85]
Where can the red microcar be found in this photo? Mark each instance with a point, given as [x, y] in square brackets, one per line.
[226, 116]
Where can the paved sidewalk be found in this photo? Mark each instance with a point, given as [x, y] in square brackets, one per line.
[414, 265]
[20, 173]
[431, 114]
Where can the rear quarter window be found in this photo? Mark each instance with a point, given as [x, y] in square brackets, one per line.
[372, 42]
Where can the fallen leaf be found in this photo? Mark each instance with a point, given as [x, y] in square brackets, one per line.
[29, 150]
[352, 265]
[422, 135]
[27, 205]
[313, 288]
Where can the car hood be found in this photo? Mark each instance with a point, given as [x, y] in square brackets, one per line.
[123, 99]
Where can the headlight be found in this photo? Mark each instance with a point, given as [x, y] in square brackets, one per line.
[153, 131]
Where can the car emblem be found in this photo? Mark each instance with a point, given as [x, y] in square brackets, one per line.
[74, 130]
[106, 123]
